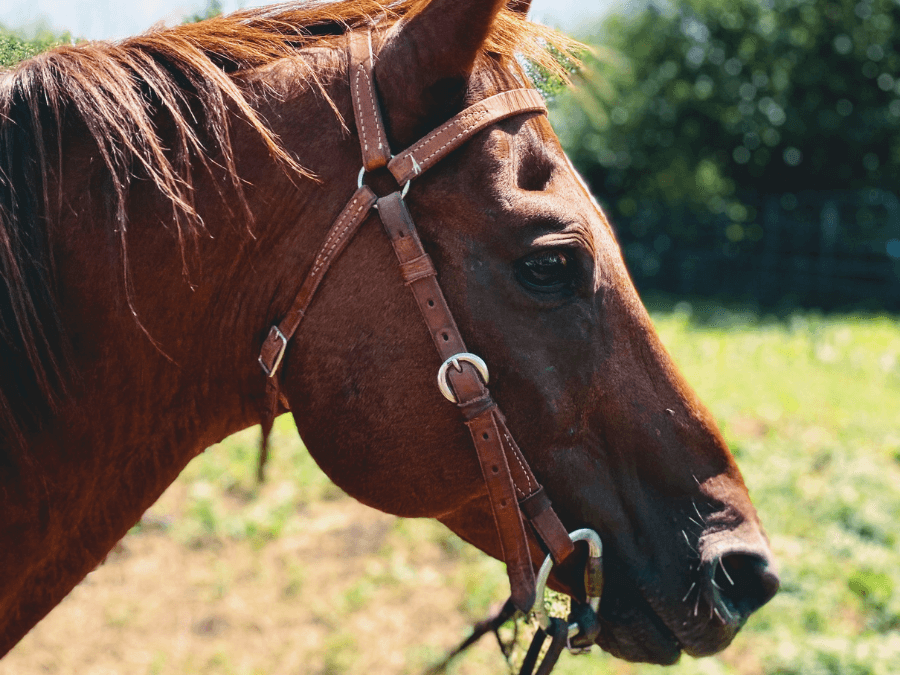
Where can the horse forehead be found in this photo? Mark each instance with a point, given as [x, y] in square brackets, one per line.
[513, 145]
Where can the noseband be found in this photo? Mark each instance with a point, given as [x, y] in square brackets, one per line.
[513, 490]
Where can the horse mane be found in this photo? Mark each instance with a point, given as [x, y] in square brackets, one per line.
[189, 76]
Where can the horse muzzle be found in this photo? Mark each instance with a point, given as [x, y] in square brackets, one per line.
[731, 582]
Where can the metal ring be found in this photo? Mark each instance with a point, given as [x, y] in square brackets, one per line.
[359, 183]
[443, 382]
[595, 550]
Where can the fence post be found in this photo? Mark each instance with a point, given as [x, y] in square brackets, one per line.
[829, 223]
[770, 281]
[892, 205]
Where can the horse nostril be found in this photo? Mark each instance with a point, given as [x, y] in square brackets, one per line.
[744, 581]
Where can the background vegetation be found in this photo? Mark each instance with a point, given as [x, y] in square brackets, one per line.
[736, 141]
[15, 46]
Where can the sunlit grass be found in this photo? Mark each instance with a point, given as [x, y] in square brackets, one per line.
[809, 406]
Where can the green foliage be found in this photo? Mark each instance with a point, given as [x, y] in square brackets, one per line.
[547, 83]
[783, 95]
[714, 103]
[213, 8]
[15, 47]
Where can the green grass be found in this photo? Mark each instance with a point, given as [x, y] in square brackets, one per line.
[809, 405]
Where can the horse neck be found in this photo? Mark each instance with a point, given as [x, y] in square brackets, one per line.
[164, 363]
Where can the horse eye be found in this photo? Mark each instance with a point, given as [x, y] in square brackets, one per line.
[547, 271]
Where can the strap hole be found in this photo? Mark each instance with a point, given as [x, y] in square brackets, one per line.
[485, 437]
[446, 337]
[503, 503]
[431, 303]
[495, 469]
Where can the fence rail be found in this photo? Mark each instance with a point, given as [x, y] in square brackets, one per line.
[830, 250]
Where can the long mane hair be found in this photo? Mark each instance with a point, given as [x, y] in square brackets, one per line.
[116, 94]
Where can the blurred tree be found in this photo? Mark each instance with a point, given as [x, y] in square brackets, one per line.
[213, 9]
[712, 104]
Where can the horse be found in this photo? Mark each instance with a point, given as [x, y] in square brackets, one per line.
[162, 200]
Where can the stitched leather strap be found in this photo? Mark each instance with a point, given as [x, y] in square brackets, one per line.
[372, 139]
[340, 234]
[435, 146]
[468, 387]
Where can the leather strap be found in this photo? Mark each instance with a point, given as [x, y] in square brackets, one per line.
[343, 229]
[432, 148]
[512, 487]
[372, 138]
[469, 388]
[558, 631]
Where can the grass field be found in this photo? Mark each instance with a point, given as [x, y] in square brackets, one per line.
[223, 578]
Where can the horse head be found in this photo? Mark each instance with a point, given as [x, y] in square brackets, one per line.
[135, 295]
[537, 285]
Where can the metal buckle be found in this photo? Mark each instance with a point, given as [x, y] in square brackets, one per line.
[443, 382]
[279, 335]
[595, 550]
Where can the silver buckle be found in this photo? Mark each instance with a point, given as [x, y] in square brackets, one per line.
[444, 384]
[284, 342]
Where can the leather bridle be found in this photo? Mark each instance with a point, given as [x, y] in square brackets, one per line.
[513, 490]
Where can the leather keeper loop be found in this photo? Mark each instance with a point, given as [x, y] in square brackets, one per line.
[535, 504]
[418, 268]
[472, 409]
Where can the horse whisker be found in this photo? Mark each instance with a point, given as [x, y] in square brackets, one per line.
[696, 510]
[684, 599]
[727, 576]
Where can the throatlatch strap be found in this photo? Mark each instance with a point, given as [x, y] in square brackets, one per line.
[340, 234]
[274, 346]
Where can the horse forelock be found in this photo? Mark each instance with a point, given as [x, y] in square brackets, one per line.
[116, 91]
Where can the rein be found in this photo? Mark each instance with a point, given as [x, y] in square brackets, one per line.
[513, 490]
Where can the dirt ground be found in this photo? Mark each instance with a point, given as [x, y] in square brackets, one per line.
[348, 590]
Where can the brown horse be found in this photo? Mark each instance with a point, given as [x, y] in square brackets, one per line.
[162, 199]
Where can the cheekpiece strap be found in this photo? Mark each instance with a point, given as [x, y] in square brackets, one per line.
[373, 141]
